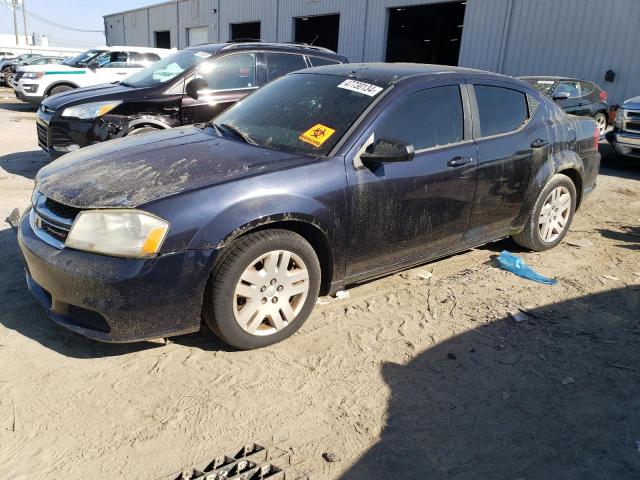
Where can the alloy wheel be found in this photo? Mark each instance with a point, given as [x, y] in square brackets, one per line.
[271, 292]
[554, 215]
[601, 122]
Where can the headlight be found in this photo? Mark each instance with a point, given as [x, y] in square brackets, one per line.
[32, 75]
[122, 233]
[90, 110]
[619, 118]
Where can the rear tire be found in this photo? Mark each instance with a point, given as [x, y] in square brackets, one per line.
[601, 122]
[551, 215]
[60, 89]
[262, 289]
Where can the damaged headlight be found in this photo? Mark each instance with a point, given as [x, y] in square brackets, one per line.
[122, 233]
[90, 110]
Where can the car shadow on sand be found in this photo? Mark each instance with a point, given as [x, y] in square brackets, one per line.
[556, 395]
[25, 164]
[21, 313]
[16, 106]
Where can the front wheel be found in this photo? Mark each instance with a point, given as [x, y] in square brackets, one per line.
[263, 289]
[551, 216]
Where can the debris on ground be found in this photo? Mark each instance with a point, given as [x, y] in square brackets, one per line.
[342, 294]
[638, 445]
[568, 381]
[515, 264]
[518, 316]
[611, 277]
[451, 356]
[330, 457]
[580, 243]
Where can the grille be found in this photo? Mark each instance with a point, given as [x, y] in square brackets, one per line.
[42, 135]
[88, 319]
[59, 137]
[633, 121]
[60, 209]
[58, 233]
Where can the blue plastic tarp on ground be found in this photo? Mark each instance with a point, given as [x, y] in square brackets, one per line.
[515, 264]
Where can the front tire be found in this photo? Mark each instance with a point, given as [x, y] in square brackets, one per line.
[263, 289]
[551, 216]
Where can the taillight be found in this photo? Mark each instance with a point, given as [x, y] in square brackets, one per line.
[596, 138]
[603, 96]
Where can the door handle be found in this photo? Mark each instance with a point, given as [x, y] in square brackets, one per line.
[459, 161]
[539, 143]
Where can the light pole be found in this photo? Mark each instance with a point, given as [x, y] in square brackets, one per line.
[15, 22]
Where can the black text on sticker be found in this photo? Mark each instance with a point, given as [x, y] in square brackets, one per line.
[360, 87]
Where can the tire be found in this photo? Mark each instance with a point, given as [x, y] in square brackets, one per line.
[534, 236]
[60, 89]
[601, 122]
[5, 76]
[8, 79]
[247, 267]
[141, 130]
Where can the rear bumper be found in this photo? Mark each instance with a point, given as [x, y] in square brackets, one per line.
[625, 144]
[116, 299]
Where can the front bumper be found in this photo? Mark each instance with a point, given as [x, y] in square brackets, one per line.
[58, 136]
[116, 299]
[626, 144]
[32, 99]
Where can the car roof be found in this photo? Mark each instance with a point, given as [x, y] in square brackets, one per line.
[117, 48]
[391, 73]
[258, 45]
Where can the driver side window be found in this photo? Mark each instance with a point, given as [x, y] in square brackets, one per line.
[426, 119]
[232, 72]
[111, 60]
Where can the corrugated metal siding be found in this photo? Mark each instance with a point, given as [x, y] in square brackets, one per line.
[238, 11]
[161, 18]
[581, 38]
[136, 28]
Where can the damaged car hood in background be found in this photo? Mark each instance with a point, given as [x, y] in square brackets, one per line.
[131, 171]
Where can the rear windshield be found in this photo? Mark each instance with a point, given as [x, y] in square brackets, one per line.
[544, 86]
[301, 113]
[166, 69]
[82, 59]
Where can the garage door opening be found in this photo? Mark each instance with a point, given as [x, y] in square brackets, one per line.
[321, 30]
[163, 39]
[246, 30]
[426, 33]
[197, 36]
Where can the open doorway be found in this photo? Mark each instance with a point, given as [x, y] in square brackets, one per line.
[245, 30]
[426, 33]
[320, 30]
[163, 39]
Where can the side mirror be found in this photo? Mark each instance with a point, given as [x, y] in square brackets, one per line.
[195, 86]
[561, 96]
[93, 65]
[387, 151]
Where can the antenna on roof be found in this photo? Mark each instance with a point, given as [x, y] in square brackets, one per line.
[314, 40]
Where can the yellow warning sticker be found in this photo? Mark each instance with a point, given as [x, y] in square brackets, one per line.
[317, 135]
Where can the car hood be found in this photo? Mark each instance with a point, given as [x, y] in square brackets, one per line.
[135, 170]
[53, 67]
[105, 91]
[633, 103]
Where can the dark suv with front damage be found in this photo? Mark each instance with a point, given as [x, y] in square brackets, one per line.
[189, 86]
[325, 178]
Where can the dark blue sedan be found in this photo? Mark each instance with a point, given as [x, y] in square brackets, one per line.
[325, 178]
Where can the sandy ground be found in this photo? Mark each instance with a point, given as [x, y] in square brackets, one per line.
[409, 377]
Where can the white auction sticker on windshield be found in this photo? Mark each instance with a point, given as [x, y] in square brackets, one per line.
[202, 54]
[361, 87]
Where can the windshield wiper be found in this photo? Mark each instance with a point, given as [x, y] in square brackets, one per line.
[234, 131]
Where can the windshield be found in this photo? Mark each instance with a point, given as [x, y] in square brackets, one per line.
[166, 69]
[299, 113]
[82, 59]
[542, 85]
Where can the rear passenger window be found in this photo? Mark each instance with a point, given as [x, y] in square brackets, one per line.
[426, 119]
[279, 64]
[586, 88]
[501, 110]
[319, 62]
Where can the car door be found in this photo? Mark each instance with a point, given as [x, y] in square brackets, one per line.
[575, 104]
[400, 212]
[221, 83]
[512, 142]
[110, 67]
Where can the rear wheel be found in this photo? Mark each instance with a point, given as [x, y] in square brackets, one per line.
[263, 289]
[601, 122]
[551, 216]
[60, 89]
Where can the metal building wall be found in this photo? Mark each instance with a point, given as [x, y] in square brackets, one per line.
[239, 11]
[136, 27]
[161, 18]
[192, 13]
[114, 29]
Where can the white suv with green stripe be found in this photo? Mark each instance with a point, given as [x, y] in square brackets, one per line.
[93, 67]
